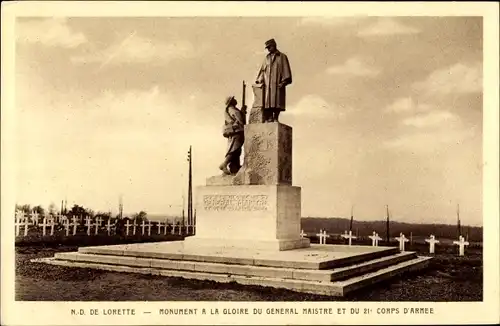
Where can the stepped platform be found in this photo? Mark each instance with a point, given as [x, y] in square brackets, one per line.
[333, 270]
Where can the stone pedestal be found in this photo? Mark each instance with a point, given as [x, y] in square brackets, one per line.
[268, 157]
[249, 216]
[258, 207]
[268, 154]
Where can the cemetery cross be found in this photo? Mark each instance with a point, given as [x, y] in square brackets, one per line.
[432, 243]
[348, 236]
[402, 239]
[461, 244]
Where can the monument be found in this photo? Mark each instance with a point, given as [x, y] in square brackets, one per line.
[248, 218]
[257, 207]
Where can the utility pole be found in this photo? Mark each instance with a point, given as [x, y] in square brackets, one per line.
[183, 205]
[352, 217]
[387, 224]
[190, 188]
[120, 207]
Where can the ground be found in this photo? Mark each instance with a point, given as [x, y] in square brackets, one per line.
[449, 278]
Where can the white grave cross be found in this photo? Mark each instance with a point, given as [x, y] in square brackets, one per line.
[402, 239]
[461, 243]
[375, 239]
[35, 216]
[149, 228]
[322, 236]
[89, 226]
[52, 225]
[302, 234]
[325, 236]
[97, 224]
[44, 225]
[19, 219]
[108, 226]
[159, 226]
[127, 226]
[432, 242]
[143, 225]
[26, 223]
[74, 224]
[348, 236]
[66, 226]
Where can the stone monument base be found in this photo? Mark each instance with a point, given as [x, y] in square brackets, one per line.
[333, 270]
[248, 216]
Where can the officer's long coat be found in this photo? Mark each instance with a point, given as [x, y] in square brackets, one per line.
[275, 70]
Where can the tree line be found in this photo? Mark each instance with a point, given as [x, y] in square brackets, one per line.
[339, 225]
[78, 210]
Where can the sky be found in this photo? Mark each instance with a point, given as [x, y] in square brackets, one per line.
[384, 110]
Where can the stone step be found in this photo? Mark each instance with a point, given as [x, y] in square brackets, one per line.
[371, 265]
[364, 280]
[336, 288]
[198, 266]
[313, 258]
[247, 270]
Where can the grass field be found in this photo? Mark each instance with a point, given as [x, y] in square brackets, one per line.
[449, 278]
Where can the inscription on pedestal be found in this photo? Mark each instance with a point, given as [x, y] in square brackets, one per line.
[235, 202]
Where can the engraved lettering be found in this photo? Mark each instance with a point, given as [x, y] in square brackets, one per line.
[235, 202]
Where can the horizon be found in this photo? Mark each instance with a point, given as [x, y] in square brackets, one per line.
[109, 106]
[165, 215]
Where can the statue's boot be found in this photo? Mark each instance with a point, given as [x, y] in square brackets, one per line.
[223, 168]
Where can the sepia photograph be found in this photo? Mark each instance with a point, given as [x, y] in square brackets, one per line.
[246, 164]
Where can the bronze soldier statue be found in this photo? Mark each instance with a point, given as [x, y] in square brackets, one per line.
[233, 130]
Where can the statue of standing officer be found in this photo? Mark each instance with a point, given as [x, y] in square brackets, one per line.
[274, 75]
